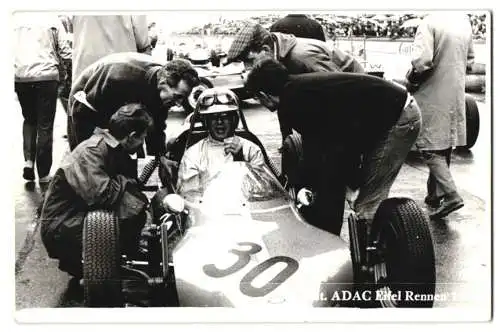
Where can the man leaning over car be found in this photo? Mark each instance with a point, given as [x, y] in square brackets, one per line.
[122, 78]
[340, 117]
[298, 55]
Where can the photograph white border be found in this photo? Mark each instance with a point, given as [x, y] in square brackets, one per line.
[178, 315]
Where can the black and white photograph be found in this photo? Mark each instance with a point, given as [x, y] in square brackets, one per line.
[336, 164]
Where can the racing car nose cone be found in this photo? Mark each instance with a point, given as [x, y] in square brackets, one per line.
[276, 300]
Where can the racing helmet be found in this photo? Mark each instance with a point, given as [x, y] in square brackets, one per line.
[218, 100]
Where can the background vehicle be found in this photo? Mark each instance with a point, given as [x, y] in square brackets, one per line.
[231, 76]
[242, 241]
[208, 65]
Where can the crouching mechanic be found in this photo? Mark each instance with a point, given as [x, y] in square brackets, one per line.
[98, 174]
[342, 117]
[218, 109]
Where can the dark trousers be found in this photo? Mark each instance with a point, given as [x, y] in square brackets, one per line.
[285, 127]
[328, 168]
[38, 103]
[440, 181]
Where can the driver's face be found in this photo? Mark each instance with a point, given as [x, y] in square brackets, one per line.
[220, 125]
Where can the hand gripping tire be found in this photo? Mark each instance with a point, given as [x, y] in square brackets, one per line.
[292, 159]
[405, 252]
[472, 120]
[102, 282]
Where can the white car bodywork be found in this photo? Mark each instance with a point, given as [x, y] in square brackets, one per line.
[247, 245]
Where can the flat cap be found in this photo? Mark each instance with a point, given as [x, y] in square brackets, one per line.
[252, 35]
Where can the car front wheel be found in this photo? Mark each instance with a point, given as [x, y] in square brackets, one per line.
[404, 267]
[102, 283]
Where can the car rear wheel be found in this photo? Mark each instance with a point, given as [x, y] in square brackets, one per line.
[472, 121]
[102, 282]
[190, 103]
[404, 274]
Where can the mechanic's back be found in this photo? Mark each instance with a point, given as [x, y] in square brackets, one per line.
[362, 107]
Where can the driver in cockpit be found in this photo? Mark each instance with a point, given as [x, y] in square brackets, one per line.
[218, 109]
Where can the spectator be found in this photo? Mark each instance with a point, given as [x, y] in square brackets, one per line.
[65, 66]
[98, 36]
[153, 34]
[443, 47]
[40, 43]
[299, 55]
[98, 174]
[334, 113]
[299, 25]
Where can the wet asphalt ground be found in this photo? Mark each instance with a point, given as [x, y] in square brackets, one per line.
[463, 240]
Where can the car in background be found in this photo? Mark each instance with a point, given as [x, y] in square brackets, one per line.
[207, 63]
[231, 76]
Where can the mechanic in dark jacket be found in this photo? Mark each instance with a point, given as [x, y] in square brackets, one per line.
[97, 174]
[124, 78]
[340, 117]
[299, 25]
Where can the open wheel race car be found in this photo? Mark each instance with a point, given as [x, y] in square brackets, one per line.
[242, 242]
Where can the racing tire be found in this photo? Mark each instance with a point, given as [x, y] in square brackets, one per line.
[406, 263]
[190, 102]
[292, 159]
[472, 121]
[475, 83]
[102, 282]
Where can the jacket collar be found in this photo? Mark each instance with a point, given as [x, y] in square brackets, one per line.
[213, 141]
[107, 137]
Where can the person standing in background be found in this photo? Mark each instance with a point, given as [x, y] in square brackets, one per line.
[97, 36]
[65, 67]
[153, 34]
[40, 43]
[300, 26]
[442, 51]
